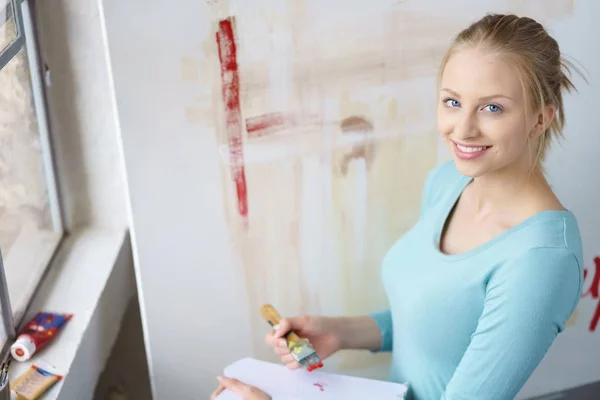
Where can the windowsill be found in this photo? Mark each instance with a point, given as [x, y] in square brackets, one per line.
[92, 278]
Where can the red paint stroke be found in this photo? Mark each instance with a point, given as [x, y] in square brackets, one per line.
[262, 125]
[594, 292]
[230, 81]
[320, 385]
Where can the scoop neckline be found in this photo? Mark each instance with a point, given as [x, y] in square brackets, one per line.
[461, 185]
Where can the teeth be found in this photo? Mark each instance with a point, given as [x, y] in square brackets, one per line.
[470, 149]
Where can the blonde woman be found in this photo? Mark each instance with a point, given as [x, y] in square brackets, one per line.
[481, 286]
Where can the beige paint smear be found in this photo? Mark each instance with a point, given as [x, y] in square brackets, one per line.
[360, 51]
[542, 10]
[333, 65]
[189, 69]
[354, 53]
[268, 249]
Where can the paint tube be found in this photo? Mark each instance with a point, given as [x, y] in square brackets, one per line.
[37, 333]
[32, 383]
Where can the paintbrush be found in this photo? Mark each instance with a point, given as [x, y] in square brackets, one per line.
[301, 349]
[5, 367]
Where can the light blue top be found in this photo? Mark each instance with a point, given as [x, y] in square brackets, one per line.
[475, 325]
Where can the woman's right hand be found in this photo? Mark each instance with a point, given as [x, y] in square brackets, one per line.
[322, 333]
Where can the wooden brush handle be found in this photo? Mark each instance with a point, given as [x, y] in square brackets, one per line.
[270, 314]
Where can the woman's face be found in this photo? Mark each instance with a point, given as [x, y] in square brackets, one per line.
[482, 114]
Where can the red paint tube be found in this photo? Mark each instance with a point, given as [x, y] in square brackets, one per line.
[38, 333]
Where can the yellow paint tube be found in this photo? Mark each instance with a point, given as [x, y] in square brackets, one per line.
[33, 383]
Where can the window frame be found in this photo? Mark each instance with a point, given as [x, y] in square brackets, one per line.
[23, 14]
[8, 321]
[13, 9]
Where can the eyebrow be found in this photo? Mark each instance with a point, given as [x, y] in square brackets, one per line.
[485, 98]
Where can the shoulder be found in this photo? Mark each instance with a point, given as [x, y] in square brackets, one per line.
[548, 233]
[547, 279]
[556, 261]
[440, 180]
[550, 243]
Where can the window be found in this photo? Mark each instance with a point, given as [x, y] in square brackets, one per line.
[30, 219]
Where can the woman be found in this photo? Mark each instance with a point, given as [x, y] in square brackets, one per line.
[481, 286]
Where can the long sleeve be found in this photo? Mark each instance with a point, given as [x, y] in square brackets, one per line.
[383, 319]
[527, 304]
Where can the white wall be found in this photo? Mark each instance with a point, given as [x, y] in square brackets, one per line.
[87, 155]
[315, 229]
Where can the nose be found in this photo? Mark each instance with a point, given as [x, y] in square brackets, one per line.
[466, 127]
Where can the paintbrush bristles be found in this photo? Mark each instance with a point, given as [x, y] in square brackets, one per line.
[4, 367]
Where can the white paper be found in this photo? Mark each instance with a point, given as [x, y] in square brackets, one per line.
[282, 383]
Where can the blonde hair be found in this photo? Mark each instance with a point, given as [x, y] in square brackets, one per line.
[536, 54]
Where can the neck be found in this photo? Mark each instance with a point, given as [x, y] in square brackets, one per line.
[500, 190]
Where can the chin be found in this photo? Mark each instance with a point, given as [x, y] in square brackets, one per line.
[470, 168]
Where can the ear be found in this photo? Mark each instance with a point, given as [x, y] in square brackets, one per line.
[544, 119]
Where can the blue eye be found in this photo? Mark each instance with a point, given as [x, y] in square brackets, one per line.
[452, 103]
[493, 108]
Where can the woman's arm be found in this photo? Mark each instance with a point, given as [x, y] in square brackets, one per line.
[365, 332]
[527, 304]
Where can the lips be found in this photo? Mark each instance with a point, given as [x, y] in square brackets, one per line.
[469, 152]
[471, 149]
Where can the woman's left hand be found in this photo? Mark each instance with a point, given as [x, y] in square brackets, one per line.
[245, 391]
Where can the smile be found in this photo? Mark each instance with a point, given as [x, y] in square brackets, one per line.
[471, 149]
[469, 152]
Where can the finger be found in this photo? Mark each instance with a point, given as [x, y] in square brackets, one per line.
[290, 362]
[281, 350]
[272, 337]
[217, 392]
[293, 365]
[238, 387]
[284, 327]
[232, 384]
[288, 359]
[269, 338]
